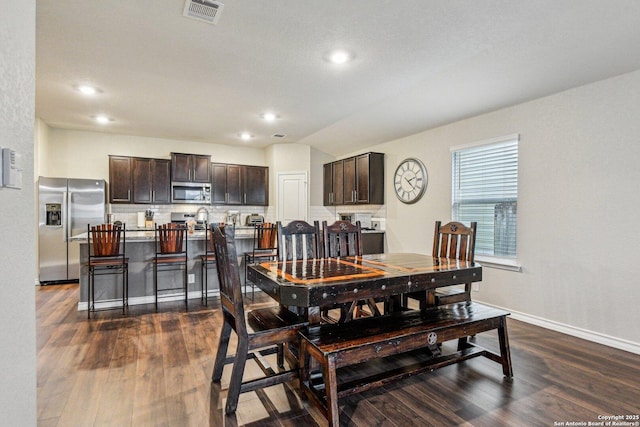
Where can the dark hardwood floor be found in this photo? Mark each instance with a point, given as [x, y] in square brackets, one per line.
[154, 369]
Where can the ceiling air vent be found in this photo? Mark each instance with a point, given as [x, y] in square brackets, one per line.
[203, 10]
[278, 135]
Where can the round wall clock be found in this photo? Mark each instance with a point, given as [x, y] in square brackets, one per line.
[410, 180]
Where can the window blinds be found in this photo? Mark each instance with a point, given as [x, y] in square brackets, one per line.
[485, 190]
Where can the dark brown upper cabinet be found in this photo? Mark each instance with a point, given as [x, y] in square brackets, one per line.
[120, 179]
[255, 185]
[190, 168]
[239, 184]
[355, 180]
[151, 180]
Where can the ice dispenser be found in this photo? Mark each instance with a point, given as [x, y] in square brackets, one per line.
[54, 214]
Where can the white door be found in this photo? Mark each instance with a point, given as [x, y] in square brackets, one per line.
[292, 196]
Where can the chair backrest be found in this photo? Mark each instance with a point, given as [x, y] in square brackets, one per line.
[229, 275]
[171, 239]
[342, 238]
[298, 240]
[454, 240]
[265, 237]
[106, 240]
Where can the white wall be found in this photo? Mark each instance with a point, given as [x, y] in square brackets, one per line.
[82, 154]
[17, 218]
[578, 240]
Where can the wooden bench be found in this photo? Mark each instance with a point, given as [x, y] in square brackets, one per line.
[340, 345]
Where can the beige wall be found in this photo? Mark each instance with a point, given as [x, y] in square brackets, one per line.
[578, 203]
[17, 217]
[81, 154]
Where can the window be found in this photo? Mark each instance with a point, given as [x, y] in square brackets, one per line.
[485, 190]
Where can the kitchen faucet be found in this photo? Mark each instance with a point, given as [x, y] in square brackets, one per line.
[201, 209]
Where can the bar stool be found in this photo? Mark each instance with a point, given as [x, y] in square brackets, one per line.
[171, 254]
[106, 245]
[206, 260]
[265, 248]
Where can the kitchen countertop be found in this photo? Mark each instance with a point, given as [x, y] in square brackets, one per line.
[145, 234]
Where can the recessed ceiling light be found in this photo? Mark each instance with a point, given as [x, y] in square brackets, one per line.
[245, 136]
[87, 90]
[102, 119]
[269, 116]
[339, 57]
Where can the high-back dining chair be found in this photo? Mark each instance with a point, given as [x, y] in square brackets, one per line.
[260, 332]
[207, 260]
[171, 254]
[341, 239]
[265, 248]
[106, 245]
[453, 240]
[457, 241]
[298, 240]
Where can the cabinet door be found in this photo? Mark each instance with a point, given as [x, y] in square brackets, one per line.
[338, 179]
[362, 179]
[327, 184]
[234, 185]
[201, 168]
[142, 180]
[181, 167]
[161, 180]
[119, 179]
[255, 182]
[349, 181]
[218, 183]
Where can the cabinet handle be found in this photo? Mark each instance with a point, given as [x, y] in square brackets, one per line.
[245, 198]
[128, 195]
[153, 195]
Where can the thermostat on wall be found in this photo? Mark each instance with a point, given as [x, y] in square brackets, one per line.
[11, 172]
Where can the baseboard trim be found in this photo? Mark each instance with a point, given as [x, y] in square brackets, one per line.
[149, 299]
[610, 341]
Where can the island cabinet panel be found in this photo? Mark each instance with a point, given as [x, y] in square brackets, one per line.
[120, 179]
[239, 184]
[151, 181]
[190, 168]
[255, 182]
[355, 180]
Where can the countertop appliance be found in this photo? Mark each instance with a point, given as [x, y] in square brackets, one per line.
[353, 217]
[65, 208]
[183, 217]
[254, 219]
[233, 217]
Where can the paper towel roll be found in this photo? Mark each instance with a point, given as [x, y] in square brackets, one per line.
[140, 219]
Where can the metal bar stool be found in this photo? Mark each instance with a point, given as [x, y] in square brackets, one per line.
[106, 245]
[206, 260]
[171, 254]
[265, 248]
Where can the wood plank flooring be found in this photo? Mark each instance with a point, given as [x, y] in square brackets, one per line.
[154, 369]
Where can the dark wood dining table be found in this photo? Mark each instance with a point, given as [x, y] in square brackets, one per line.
[315, 283]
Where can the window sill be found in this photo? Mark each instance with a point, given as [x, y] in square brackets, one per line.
[499, 263]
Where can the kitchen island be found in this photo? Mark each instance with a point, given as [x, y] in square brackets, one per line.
[140, 249]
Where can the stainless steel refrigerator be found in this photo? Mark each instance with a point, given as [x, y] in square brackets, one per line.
[65, 207]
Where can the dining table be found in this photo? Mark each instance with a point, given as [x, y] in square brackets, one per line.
[311, 284]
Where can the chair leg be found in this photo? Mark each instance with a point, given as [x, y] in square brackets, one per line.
[221, 355]
[155, 282]
[186, 285]
[89, 293]
[235, 383]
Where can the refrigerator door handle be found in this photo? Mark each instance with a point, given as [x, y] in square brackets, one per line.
[66, 215]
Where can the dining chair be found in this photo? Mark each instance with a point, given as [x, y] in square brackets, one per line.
[265, 248]
[207, 260]
[341, 239]
[171, 254]
[106, 245]
[261, 332]
[298, 239]
[453, 240]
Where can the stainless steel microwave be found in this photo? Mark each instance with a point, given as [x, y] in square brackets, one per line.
[190, 192]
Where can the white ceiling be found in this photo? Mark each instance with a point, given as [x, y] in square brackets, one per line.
[419, 64]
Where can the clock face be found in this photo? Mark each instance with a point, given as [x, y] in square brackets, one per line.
[410, 180]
